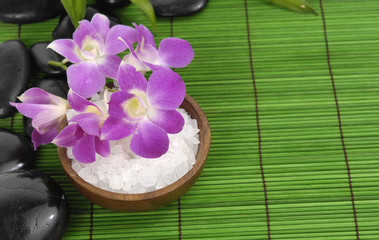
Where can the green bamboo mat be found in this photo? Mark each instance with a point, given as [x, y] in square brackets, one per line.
[293, 106]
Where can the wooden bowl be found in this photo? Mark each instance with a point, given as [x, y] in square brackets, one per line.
[151, 200]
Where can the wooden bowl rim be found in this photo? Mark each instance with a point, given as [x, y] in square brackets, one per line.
[201, 157]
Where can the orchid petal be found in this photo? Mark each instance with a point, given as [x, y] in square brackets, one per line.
[85, 78]
[134, 61]
[41, 139]
[66, 48]
[68, 136]
[84, 149]
[129, 78]
[32, 110]
[115, 104]
[171, 121]
[175, 52]
[35, 95]
[149, 141]
[117, 128]
[87, 55]
[101, 24]
[79, 103]
[166, 90]
[39, 96]
[112, 43]
[89, 122]
[102, 147]
[148, 54]
[108, 65]
[154, 67]
[145, 37]
[85, 29]
[47, 120]
[130, 47]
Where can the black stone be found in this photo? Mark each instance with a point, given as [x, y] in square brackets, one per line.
[17, 152]
[175, 8]
[28, 129]
[41, 56]
[113, 3]
[65, 29]
[27, 11]
[14, 74]
[56, 85]
[32, 206]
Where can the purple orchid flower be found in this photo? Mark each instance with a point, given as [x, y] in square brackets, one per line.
[47, 112]
[84, 130]
[172, 52]
[146, 110]
[93, 51]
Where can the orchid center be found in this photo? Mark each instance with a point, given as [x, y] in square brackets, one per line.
[142, 43]
[92, 46]
[137, 106]
[93, 109]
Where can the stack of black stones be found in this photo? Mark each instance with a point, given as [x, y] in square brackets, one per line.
[32, 204]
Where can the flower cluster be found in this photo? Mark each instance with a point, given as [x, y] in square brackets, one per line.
[145, 110]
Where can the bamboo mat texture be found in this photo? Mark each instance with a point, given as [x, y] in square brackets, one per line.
[293, 105]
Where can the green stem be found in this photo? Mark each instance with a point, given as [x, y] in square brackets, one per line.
[110, 89]
[57, 64]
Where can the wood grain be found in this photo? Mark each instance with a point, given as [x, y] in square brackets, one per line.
[151, 200]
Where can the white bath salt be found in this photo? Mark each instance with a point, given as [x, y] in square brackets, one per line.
[115, 182]
[88, 174]
[125, 172]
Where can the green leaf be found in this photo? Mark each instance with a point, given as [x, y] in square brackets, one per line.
[147, 8]
[57, 64]
[76, 9]
[295, 5]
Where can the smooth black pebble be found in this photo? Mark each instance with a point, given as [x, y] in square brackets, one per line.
[14, 74]
[175, 8]
[65, 29]
[42, 55]
[56, 85]
[32, 206]
[28, 11]
[113, 3]
[17, 152]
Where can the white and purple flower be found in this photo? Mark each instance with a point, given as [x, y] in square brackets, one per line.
[93, 51]
[172, 52]
[46, 110]
[83, 132]
[146, 110]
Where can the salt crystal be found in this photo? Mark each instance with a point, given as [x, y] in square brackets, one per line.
[88, 175]
[117, 150]
[70, 113]
[181, 157]
[148, 177]
[69, 153]
[127, 186]
[95, 98]
[130, 177]
[137, 167]
[116, 182]
[138, 188]
[125, 172]
[193, 123]
[181, 169]
[76, 166]
[160, 184]
[169, 178]
[192, 159]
